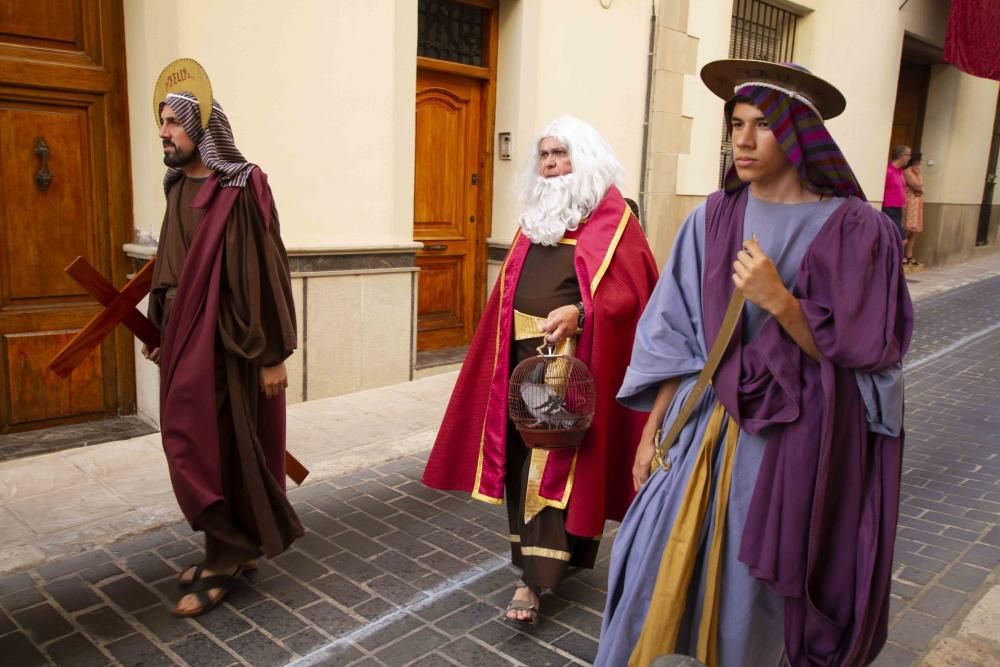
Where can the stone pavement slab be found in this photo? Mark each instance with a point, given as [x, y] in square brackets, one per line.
[429, 583]
[393, 573]
[71, 500]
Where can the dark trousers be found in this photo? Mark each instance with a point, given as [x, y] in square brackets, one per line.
[541, 548]
[895, 214]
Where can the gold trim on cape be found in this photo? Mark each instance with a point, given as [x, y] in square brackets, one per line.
[546, 553]
[611, 251]
[496, 357]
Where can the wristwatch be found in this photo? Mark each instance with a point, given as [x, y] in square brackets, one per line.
[579, 318]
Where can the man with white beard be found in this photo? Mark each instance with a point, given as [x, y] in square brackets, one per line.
[578, 275]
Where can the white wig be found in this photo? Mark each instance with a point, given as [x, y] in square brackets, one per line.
[595, 169]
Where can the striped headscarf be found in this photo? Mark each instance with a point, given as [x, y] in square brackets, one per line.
[800, 132]
[215, 143]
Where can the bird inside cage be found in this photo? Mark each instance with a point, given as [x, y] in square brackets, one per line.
[551, 400]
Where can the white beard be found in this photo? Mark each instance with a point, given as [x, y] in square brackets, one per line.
[552, 209]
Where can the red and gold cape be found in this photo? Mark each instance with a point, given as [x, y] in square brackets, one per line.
[617, 273]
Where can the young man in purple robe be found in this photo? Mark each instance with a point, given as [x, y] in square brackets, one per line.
[221, 296]
[765, 535]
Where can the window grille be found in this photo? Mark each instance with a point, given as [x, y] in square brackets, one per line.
[760, 31]
[453, 31]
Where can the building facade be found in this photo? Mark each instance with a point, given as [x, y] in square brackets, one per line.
[392, 132]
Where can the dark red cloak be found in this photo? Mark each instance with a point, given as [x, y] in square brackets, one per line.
[188, 407]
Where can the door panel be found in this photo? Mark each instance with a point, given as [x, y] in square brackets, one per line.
[51, 24]
[442, 292]
[47, 228]
[911, 102]
[38, 395]
[448, 146]
[62, 82]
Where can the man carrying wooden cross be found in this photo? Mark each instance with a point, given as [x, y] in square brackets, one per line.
[221, 295]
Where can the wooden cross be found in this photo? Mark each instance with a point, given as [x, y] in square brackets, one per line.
[120, 307]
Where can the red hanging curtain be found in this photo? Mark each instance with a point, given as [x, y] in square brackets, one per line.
[972, 44]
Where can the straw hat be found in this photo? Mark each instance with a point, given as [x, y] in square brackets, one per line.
[724, 77]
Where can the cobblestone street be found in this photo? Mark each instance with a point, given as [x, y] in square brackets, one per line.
[391, 573]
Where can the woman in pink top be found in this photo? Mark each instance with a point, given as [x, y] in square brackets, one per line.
[913, 214]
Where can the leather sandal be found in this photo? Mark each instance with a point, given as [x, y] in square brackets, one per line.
[521, 605]
[183, 586]
[201, 586]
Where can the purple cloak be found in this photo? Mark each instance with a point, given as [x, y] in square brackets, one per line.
[821, 524]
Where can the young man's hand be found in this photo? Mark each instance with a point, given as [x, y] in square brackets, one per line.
[755, 275]
[273, 380]
[643, 458]
[758, 279]
[153, 355]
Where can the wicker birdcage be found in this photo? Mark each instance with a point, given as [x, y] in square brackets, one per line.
[551, 400]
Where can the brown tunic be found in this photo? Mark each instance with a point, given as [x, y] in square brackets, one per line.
[256, 329]
[541, 548]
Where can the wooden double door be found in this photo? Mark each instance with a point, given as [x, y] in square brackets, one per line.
[65, 190]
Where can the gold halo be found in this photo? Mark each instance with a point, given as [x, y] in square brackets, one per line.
[187, 75]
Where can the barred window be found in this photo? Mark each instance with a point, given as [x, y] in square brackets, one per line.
[453, 31]
[760, 31]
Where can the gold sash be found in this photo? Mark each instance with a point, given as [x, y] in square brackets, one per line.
[669, 600]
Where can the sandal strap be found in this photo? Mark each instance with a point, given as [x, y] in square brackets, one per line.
[220, 581]
[534, 589]
[204, 599]
[521, 605]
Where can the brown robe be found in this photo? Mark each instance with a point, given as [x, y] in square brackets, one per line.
[541, 548]
[256, 329]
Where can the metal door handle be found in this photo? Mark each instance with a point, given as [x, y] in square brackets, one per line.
[436, 246]
[43, 177]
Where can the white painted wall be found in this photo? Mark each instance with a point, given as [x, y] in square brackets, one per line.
[957, 133]
[320, 94]
[857, 46]
[571, 57]
[698, 171]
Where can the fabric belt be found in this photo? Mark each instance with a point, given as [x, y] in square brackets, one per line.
[527, 327]
[733, 313]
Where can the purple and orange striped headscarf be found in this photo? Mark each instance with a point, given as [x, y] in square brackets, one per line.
[801, 134]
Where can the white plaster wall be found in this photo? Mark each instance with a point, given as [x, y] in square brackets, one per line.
[319, 93]
[698, 171]
[867, 76]
[360, 331]
[569, 57]
[957, 133]
[147, 381]
[960, 108]
[927, 20]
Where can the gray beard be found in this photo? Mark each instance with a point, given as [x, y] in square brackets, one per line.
[551, 210]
